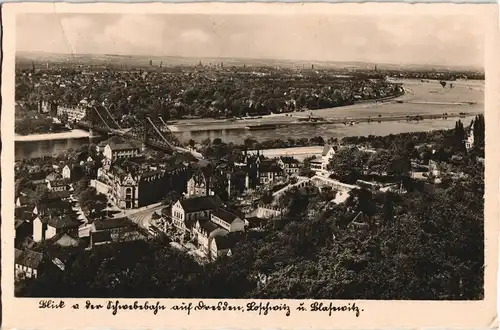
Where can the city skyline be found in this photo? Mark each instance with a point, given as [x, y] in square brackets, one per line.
[398, 39]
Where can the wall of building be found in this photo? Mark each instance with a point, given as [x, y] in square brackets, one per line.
[21, 270]
[66, 172]
[264, 212]
[100, 187]
[125, 153]
[127, 196]
[178, 216]
[37, 230]
[237, 225]
[201, 238]
[51, 232]
[108, 153]
[73, 113]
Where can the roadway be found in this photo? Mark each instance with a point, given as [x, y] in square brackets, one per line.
[141, 216]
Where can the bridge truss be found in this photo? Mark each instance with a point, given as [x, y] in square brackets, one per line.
[152, 132]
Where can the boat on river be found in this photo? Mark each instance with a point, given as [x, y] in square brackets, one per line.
[262, 127]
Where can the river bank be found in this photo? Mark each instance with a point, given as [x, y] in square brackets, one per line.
[427, 100]
[285, 121]
[271, 119]
[73, 134]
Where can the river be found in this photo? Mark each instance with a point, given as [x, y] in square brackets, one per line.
[421, 98]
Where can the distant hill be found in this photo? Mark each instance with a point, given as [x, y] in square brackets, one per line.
[143, 61]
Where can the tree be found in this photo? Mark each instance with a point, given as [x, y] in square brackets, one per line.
[91, 202]
[479, 130]
[459, 136]
[80, 187]
[170, 198]
[92, 150]
[41, 193]
[400, 166]
[267, 198]
[379, 161]
[365, 203]
[388, 209]
[348, 164]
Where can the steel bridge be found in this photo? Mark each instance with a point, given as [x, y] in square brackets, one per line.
[152, 132]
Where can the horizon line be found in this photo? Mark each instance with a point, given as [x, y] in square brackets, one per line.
[471, 66]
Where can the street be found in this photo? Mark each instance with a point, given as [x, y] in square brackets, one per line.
[143, 217]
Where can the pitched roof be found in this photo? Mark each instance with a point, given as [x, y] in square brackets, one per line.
[198, 204]
[55, 197]
[225, 215]
[59, 182]
[208, 226]
[23, 213]
[113, 223]
[289, 160]
[29, 259]
[267, 167]
[66, 240]
[82, 155]
[218, 233]
[17, 253]
[122, 146]
[21, 222]
[166, 211]
[38, 182]
[23, 199]
[27, 192]
[131, 235]
[63, 222]
[100, 236]
[224, 242]
[254, 222]
[326, 148]
[203, 163]
[52, 176]
[61, 194]
[150, 174]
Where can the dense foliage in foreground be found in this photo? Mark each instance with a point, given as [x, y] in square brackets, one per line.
[426, 244]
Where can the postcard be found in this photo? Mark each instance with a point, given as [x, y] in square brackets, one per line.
[250, 165]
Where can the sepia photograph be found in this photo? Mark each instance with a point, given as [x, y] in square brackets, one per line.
[335, 155]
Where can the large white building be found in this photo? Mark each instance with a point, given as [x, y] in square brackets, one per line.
[320, 165]
[47, 226]
[113, 151]
[186, 212]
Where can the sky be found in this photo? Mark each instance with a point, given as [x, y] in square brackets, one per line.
[402, 39]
